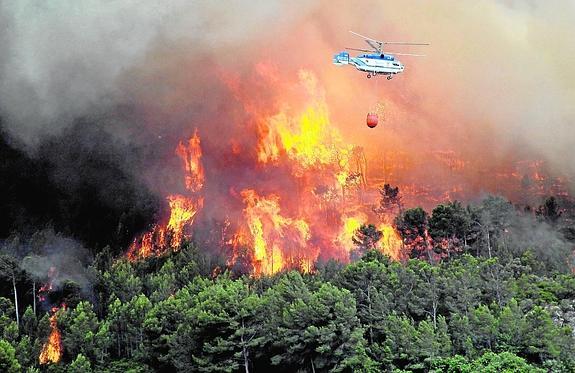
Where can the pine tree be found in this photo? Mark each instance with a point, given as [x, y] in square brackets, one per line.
[8, 362]
[81, 364]
[365, 239]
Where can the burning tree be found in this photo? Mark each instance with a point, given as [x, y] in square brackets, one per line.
[183, 208]
[365, 239]
[413, 226]
[52, 348]
[389, 202]
[279, 242]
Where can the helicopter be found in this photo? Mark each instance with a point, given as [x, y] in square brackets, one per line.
[375, 62]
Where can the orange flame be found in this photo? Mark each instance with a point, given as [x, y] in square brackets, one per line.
[320, 211]
[350, 225]
[307, 139]
[391, 243]
[47, 287]
[155, 242]
[323, 166]
[191, 156]
[278, 241]
[183, 209]
[52, 348]
[306, 189]
[182, 213]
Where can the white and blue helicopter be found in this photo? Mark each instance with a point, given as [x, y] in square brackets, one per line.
[376, 62]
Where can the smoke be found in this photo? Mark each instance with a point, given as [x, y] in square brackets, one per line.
[548, 246]
[63, 60]
[515, 234]
[501, 70]
[497, 73]
[100, 93]
[70, 93]
[52, 258]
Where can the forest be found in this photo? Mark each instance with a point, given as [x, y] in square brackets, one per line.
[484, 287]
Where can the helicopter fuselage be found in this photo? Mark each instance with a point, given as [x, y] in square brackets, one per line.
[373, 64]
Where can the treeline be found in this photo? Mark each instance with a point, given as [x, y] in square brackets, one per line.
[483, 288]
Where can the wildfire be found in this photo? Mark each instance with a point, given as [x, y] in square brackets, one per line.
[278, 241]
[290, 190]
[191, 156]
[316, 208]
[350, 225]
[308, 139]
[391, 243]
[47, 287]
[52, 348]
[182, 213]
[161, 238]
[183, 209]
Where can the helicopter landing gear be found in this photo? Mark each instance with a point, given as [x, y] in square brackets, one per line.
[389, 77]
[368, 76]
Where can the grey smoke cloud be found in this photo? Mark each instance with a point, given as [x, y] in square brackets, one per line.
[62, 59]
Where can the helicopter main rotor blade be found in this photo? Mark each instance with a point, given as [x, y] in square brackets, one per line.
[365, 37]
[368, 39]
[392, 53]
[360, 50]
[375, 44]
[406, 54]
[403, 43]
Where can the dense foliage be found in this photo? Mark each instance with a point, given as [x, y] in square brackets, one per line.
[490, 290]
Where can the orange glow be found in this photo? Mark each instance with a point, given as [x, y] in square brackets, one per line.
[52, 348]
[182, 213]
[308, 139]
[314, 151]
[390, 244]
[47, 287]
[289, 227]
